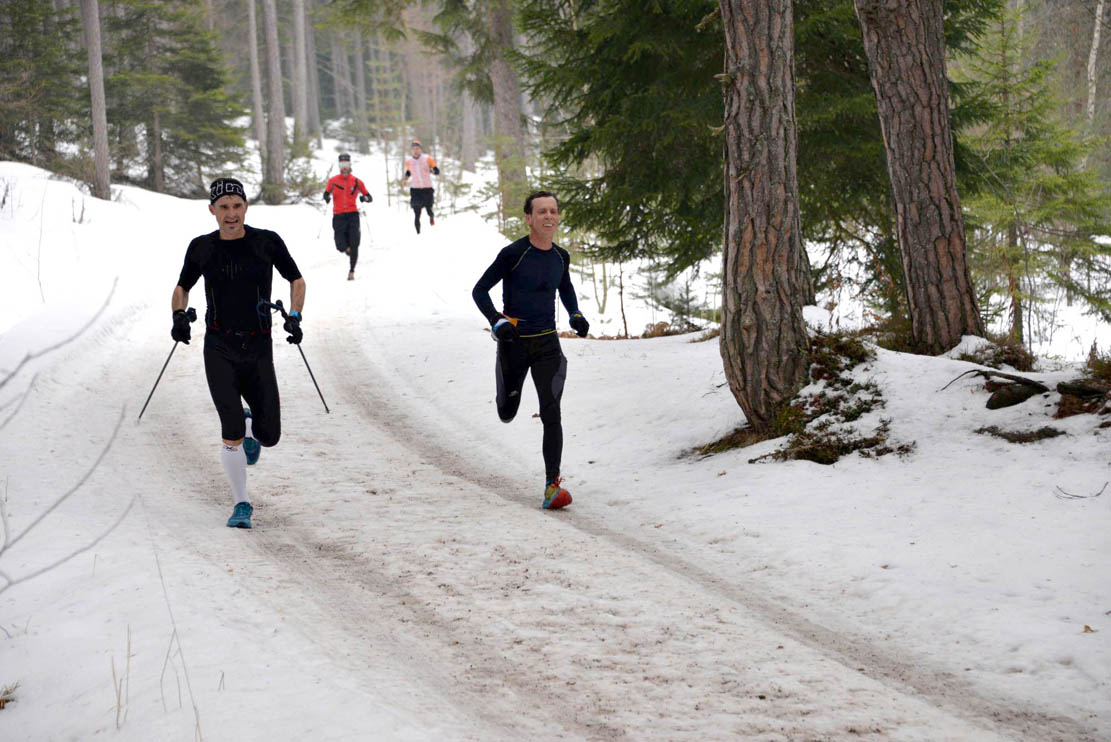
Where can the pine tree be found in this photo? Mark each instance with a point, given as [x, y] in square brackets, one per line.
[1037, 209]
[168, 86]
[39, 74]
[634, 100]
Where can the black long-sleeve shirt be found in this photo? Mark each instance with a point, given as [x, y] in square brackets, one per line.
[237, 273]
[530, 278]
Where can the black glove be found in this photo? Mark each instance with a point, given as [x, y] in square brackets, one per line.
[580, 325]
[181, 332]
[504, 331]
[366, 198]
[435, 171]
[327, 197]
[293, 327]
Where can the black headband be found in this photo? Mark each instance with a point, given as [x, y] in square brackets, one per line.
[225, 187]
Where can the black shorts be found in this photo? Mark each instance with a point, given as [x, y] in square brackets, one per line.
[240, 368]
[346, 229]
[421, 198]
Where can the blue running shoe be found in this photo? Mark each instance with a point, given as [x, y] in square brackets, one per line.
[241, 516]
[251, 447]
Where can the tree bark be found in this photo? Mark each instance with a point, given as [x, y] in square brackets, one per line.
[1093, 55]
[468, 144]
[360, 94]
[508, 140]
[90, 10]
[344, 105]
[155, 166]
[300, 72]
[315, 128]
[256, 81]
[905, 45]
[273, 182]
[1014, 284]
[764, 344]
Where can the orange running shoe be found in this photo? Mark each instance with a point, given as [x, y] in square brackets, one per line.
[555, 497]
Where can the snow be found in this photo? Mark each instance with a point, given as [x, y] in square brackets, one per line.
[402, 582]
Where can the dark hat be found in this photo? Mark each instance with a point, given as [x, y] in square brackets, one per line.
[344, 156]
[416, 143]
[225, 187]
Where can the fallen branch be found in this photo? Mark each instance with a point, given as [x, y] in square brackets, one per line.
[987, 374]
[6, 545]
[1063, 495]
[33, 355]
[22, 399]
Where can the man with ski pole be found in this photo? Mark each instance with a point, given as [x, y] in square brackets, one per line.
[531, 270]
[342, 190]
[237, 263]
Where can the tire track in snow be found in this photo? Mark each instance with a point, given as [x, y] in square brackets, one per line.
[522, 688]
[380, 400]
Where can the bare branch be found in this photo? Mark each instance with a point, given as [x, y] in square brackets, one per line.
[63, 560]
[4, 516]
[1063, 495]
[19, 406]
[988, 373]
[966, 373]
[8, 545]
[33, 355]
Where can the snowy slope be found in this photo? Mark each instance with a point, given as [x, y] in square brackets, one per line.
[402, 582]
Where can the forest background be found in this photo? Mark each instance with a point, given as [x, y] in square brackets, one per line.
[617, 105]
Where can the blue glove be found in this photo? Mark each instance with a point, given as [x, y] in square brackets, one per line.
[504, 331]
[580, 325]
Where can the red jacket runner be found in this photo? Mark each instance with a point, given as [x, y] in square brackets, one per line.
[345, 190]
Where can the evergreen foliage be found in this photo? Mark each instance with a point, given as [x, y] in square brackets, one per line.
[633, 90]
[167, 87]
[635, 94]
[45, 100]
[1037, 211]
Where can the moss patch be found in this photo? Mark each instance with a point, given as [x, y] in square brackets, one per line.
[819, 424]
[1021, 436]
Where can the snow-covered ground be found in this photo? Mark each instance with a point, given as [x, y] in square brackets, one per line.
[401, 581]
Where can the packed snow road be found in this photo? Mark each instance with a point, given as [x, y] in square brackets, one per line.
[401, 581]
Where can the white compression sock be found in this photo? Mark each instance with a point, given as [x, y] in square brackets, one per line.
[250, 428]
[234, 462]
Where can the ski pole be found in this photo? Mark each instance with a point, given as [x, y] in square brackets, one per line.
[263, 304]
[192, 315]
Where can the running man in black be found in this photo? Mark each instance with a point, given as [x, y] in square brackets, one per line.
[238, 264]
[531, 270]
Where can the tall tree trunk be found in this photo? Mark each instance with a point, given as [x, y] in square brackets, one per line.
[1014, 284]
[90, 10]
[315, 128]
[360, 94]
[468, 144]
[155, 166]
[374, 112]
[257, 112]
[300, 72]
[273, 181]
[1093, 56]
[905, 45]
[340, 76]
[509, 144]
[764, 345]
